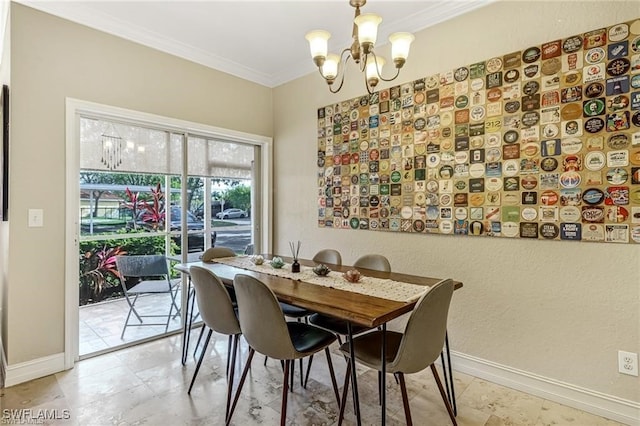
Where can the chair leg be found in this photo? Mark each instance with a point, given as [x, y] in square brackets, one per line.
[443, 395]
[228, 354]
[345, 391]
[292, 368]
[195, 373]
[195, 349]
[301, 374]
[131, 309]
[173, 303]
[285, 391]
[242, 379]
[306, 379]
[405, 399]
[333, 376]
[231, 373]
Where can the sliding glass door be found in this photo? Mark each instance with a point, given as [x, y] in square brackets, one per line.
[149, 189]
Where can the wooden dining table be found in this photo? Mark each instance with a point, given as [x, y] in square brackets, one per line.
[356, 308]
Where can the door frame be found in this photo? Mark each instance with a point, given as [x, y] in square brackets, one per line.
[262, 222]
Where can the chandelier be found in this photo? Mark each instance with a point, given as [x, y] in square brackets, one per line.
[365, 32]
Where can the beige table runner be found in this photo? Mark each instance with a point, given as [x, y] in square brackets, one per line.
[370, 286]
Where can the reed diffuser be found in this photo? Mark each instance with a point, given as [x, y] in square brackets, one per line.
[295, 250]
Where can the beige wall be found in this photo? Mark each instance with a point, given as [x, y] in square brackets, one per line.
[560, 310]
[53, 59]
[5, 78]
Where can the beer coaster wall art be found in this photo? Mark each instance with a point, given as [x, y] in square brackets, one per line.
[543, 143]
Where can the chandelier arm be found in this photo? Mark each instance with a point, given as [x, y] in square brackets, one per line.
[341, 64]
[363, 63]
[378, 71]
[366, 84]
[392, 78]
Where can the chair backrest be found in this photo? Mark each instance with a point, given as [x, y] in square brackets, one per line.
[142, 266]
[424, 334]
[215, 252]
[328, 256]
[214, 302]
[261, 319]
[375, 262]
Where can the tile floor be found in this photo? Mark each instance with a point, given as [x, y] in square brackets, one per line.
[101, 323]
[147, 384]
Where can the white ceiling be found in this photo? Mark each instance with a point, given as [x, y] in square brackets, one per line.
[261, 41]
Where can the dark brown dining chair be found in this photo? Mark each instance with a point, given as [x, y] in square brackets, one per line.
[218, 314]
[267, 332]
[409, 352]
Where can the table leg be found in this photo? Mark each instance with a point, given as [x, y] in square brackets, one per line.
[354, 379]
[383, 378]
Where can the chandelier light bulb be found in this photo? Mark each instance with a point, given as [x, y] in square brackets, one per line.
[400, 44]
[367, 30]
[318, 45]
[330, 67]
[374, 69]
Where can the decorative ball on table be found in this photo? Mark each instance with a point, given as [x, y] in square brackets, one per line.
[277, 262]
[321, 270]
[352, 275]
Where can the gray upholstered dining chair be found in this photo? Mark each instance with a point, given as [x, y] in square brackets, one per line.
[267, 332]
[409, 352]
[375, 262]
[152, 275]
[207, 257]
[218, 314]
[328, 256]
[216, 252]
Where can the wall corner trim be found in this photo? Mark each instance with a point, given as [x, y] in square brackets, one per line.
[34, 369]
[609, 406]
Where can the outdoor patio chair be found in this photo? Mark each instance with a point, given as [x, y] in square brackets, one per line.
[152, 274]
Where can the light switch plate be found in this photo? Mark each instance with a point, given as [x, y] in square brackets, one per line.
[36, 218]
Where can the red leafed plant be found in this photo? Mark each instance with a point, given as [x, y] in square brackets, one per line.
[132, 203]
[153, 213]
[98, 271]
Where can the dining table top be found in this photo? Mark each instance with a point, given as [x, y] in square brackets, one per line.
[358, 308]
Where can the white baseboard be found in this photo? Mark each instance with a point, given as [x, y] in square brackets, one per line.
[34, 369]
[611, 407]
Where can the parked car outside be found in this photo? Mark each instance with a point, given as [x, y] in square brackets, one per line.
[231, 214]
[216, 207]
[195, 241]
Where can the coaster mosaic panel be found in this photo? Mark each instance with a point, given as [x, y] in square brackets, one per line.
[541, 143]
